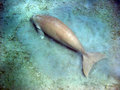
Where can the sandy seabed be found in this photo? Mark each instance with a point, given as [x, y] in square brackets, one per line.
[28, 62]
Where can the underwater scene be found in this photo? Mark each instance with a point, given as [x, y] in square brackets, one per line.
[41, 53]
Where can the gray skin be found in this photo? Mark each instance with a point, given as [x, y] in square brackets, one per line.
[59, 31]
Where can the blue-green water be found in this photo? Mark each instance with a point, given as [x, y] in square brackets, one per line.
[31, 63]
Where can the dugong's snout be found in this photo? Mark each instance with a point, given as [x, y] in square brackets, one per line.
[35, 20]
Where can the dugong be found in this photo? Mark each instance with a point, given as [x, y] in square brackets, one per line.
[57, 30]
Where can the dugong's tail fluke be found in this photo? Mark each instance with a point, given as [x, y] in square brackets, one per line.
[89, 60]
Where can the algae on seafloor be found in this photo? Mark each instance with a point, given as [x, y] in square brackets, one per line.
[12, 57]
[12, 60]
[115, 34]
[16, 69]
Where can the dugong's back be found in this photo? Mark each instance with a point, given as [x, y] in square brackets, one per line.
[59, 31]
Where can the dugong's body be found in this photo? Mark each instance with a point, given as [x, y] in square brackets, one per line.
[60, 32]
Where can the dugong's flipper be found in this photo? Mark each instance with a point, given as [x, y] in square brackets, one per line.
[41, 33]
